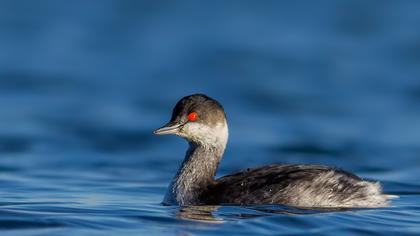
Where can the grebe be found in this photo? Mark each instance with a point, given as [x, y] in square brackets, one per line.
[201, 120]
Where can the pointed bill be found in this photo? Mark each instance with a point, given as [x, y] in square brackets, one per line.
[170, 128]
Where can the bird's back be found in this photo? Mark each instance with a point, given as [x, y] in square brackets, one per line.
[295, 185]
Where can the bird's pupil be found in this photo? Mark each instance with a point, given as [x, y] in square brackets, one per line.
[193, 116]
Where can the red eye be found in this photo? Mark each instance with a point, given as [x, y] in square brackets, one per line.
[193, 116]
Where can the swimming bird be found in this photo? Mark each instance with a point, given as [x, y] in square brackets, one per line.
[201, 120]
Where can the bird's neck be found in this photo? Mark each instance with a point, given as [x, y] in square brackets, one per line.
[196, 173]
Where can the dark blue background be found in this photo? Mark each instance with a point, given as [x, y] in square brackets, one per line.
[84, 83]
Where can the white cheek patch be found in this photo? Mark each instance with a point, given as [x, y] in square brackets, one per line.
[216, 135]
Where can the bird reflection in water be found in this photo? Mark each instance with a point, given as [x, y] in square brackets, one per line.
[219, 213]
[199, 213]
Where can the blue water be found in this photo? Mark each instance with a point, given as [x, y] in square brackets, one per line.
[84, 83]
